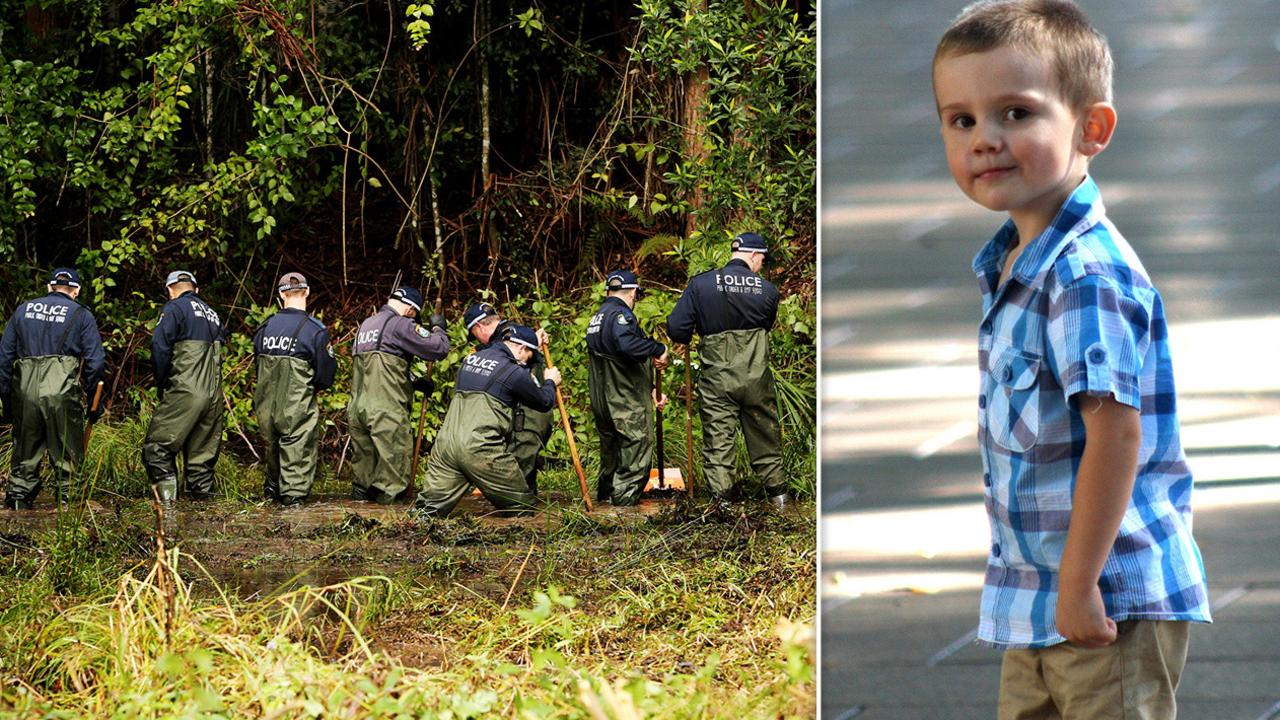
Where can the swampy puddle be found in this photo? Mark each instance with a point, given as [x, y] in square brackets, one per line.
[256, 549]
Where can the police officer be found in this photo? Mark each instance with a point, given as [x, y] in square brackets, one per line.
[186, 355]
[382, 393]
[620, 376]
[532, 427]
[733, 309]
[50, 344]
[294, 362]
[474, 442]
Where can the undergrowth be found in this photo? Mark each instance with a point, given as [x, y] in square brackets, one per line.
[697, 611]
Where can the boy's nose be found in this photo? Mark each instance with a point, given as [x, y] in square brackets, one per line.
[986, 138]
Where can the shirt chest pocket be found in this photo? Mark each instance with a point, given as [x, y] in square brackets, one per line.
[1013, 405]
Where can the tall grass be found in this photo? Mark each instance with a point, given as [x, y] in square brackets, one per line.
[727, 634]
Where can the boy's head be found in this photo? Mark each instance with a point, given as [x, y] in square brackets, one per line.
[1023, 89]
[1055, 30]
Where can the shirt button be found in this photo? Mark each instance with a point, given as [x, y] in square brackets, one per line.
[995, 549]
[1008, 374]
[1097, 356]
[982, 401]
[986, 479]
[986, 327]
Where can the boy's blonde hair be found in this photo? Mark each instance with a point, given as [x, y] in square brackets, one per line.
[1055, 29]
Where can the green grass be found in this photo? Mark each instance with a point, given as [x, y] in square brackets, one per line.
[700, 611]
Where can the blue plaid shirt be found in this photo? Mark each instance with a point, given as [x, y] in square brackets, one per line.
[1078, 315]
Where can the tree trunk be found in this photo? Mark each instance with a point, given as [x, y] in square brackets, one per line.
[694, 124]
[481, 29]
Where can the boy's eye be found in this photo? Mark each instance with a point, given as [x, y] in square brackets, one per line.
[963, 122]
[1017, 113]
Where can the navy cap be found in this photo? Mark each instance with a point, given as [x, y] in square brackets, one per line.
[477, 312]
[65, 276]
[522, 335]
[178, 276]
[621, 280]
[292, 281]
[749, 242]
[409, 296]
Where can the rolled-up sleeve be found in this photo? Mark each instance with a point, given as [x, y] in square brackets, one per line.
[1098, 334]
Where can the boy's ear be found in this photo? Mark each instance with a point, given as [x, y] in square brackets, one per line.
[1098, 124]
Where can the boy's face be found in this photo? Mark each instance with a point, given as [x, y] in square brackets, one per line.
[1012, 143]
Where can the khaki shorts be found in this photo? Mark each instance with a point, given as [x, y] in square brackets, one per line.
[1134, 678]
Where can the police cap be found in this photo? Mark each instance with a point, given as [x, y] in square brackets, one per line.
[522, 335]
[621, 280]
[477, 312]
[65, 276]
[179, 276]
[291, 281]
[749, 242]
[408, 296]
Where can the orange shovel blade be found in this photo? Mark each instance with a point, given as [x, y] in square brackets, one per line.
[673, 478]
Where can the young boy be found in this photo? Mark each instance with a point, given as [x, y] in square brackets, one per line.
[1093, 574]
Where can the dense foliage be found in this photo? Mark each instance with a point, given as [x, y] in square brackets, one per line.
[512, 149]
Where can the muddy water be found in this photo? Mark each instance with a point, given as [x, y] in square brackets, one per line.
[260, 548]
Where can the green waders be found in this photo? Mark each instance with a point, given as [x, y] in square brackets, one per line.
[622, 402]
[381, 432]
[290, 424]
[473, 447]
[188, 420]
[48, 415]
[531, 431]
[736, 388]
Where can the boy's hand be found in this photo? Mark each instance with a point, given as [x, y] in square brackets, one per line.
[1104, 484]
[1082, 618]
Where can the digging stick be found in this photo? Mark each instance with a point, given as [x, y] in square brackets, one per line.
[568, 433]
[93, 406]
[422, 416]
[688, 416]
[417, 449]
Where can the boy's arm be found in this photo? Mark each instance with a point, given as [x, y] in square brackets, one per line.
[1104, 486]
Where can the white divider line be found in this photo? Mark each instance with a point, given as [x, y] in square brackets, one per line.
[855, 711]
[1272, 712]
[956, 431]
[833, 501]
[1229, 597]
[953, 648]
[833, 603]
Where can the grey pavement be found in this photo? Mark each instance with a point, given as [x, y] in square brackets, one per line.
[1192, 179]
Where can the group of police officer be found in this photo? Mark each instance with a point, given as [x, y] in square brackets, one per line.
[498, 420]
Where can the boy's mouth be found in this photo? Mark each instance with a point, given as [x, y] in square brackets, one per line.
[995, 173]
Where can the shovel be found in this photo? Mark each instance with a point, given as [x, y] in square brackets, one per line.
[688, 413]
[662, 479]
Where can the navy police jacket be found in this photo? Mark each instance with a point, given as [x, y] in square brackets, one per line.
[52, 325]
[390, 332]
[495, 371]
[729, 298]
[614, 332]
[186, 317]
[293, 333]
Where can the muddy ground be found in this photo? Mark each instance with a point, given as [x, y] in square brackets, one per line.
[257, 550]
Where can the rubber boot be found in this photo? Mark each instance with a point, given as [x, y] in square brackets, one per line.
[16, 504]
[780, 501]
[166, 490]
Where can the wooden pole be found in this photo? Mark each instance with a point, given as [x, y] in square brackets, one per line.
[568, 433]
[417, 451]
[88, 430]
